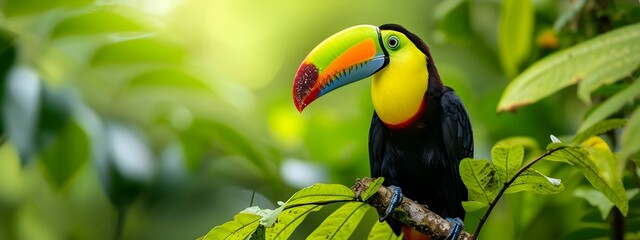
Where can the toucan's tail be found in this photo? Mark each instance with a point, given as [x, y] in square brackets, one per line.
[412, 234]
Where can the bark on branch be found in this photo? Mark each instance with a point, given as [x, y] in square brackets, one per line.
[411, 213]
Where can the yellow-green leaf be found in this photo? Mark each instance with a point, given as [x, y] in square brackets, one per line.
[242, 226]
[472, 206]
[321, 193]
[382, 231]
[597, 163]
[631, 135]
[66, 154]
[372, 189]
[507, 160]
[516, 31]
[341, 223]
[599, 128]
[599, 200]
[289, 220]
[478, 176]
[611, 105]
[533, 181]
[601, 60]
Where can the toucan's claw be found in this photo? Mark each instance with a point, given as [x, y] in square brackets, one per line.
[396, 199]
[456, 227]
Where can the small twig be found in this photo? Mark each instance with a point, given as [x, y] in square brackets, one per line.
[411, 213]
[504, 188]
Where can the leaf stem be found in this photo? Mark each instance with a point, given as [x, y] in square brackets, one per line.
[504, 188]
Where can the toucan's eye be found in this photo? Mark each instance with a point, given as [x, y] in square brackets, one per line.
[393, 42]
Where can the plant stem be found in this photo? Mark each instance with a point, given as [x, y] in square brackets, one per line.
[504, 188]
[122, 215]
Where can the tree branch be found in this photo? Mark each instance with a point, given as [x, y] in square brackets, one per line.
[411, 213]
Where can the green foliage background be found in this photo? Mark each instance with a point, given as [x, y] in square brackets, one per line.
[164, 116]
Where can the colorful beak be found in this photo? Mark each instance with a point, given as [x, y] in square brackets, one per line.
[350, 55]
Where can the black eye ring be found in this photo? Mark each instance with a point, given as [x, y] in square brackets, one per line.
[393, 42]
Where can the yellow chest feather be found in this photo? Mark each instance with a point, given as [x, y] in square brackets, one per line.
[398, 89]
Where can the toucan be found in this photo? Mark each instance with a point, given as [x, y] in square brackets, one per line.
[420, 130]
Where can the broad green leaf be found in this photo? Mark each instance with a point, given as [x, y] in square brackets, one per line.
[611, 105]
[597, 163]
[595, 62]
[341, 223]
[100, 20]
[515, 34]
[289, 220]
[382, 231]
[21, 7]
[631, 135]
[66, 154]
[452, 19]
[321, 193]
[533, 181]
[242, 226]
[599, 128]
[566, 153]
[478, 176]
[372, 189]
[599, 200]
[141, 50]
[472, 206]
[607, 181]
[507, 160]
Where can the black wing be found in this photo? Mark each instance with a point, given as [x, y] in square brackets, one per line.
[376, 146]
[457, 136]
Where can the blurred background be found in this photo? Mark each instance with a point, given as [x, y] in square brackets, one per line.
[159, 119]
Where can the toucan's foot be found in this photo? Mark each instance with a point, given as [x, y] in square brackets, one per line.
[456, 227]
[396, 199]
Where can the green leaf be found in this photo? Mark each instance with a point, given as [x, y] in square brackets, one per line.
[341, 223]
[611, 105]
[598, 128]
[66, 154]
[452, 19]
[20, 7]
[566, 153]
[371, 189]
[595, 62]
[599, 200]
[382, 231]
[98, 20]
[515, 34]
[507, 160]
[631, 135]
[472, 206]
[289, 220]
[320, 194]
[597, 163]
[478, 176]
[533, 181]
[242, 226]
[141, 50]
